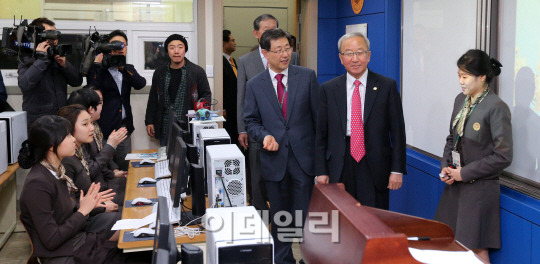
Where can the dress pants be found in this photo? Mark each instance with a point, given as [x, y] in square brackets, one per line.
[259, 195]
[291, 194]
[358, 181]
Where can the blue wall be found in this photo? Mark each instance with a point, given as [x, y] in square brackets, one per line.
[422, 189]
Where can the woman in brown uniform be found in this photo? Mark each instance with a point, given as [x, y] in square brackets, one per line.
[478, 148]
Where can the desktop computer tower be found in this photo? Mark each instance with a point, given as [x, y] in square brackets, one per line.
[210, 137]
[3, 148]
[16, 133]
[197, 127]
[237, 235]
[226, 172]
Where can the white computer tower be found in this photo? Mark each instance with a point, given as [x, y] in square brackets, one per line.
[226, 176]
[16, 133]
[210, 137]
[237, 235]
[197, 127]
[3, 147]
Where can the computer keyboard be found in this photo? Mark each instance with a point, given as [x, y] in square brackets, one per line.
[161, 169]
[163, 189]
[162, 153]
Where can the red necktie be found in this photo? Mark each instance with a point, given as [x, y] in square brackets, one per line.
[358, 150]
[282, 95]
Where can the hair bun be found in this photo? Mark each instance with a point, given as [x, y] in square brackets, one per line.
[25, 159]
[496, 65]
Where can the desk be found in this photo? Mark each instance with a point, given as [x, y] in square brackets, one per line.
[132, 192]
[8, 203]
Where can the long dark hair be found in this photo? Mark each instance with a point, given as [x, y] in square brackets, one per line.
[71, 113]
[46, 132]
[477, 63]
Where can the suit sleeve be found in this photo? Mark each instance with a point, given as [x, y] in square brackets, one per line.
[501, 157]
[241, 94]
[449, 146]
[397, 131]
[3, 92]
[135, 80]
[30, 75]
[100, 162]
[321, 136]
[203, 87]
[73, 76]
[152, 105]
[314, 92]
[51, 234]
[252, 116]
[94, 75]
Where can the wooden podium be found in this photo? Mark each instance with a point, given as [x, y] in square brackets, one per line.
[363, 234]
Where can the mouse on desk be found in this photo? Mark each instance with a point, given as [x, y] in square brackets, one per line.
[146, 162]
[144, 232]
[147, 180]
[141, 201]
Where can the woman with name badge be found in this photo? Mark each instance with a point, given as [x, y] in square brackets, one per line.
[477, 150]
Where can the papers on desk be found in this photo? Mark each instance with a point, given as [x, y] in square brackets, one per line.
[213, 119]
[132, 156]
[444, 257]
[134, 223]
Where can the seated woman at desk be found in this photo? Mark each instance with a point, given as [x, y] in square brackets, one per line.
[55, 223]
[100, 155]
[76, 166]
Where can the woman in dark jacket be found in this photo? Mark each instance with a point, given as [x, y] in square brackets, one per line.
[477, 150]
[55, 223]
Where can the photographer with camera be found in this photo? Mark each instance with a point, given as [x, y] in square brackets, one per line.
[44, 80]
[115, 84]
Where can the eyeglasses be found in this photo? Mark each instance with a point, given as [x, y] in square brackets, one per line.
[279, 52]
[350, 54]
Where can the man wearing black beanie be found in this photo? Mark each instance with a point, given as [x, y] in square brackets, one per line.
[177, 86]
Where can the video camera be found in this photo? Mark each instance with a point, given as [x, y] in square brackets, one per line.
[95, 44]
[24, 38]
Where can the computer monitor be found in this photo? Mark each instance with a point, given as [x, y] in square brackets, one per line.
[171, 151]
[180, 172]
[165, 250]
[172, 119]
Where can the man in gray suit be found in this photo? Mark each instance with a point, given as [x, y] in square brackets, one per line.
[250, 65]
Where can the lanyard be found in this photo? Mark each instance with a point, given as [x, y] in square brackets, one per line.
[470, 112]
[283, 96]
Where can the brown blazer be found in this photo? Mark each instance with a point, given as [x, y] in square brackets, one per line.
[100, 161]
[48, 214]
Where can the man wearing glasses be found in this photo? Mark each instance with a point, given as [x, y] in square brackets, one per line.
[44, 81]
[249, 65]
[280, 113]
[360, 128]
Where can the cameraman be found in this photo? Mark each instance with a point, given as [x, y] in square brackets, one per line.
[115, 84]
[44, 80]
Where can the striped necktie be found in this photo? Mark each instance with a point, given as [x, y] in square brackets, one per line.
[233, 66]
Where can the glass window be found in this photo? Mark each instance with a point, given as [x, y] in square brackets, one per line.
[102, 10]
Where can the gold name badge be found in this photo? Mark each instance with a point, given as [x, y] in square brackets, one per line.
[476, 126]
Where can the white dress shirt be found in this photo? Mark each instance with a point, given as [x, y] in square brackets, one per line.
[54, 174]
[350, 91]
[264, 60]
[228, 57]
[275, 80]
[118, 78]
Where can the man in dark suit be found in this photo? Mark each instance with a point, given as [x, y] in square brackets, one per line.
[360, 128]
[115, 83]
[250, 65]
[229, 85]
[280, 113]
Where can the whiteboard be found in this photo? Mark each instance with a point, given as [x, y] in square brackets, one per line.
[435, 35]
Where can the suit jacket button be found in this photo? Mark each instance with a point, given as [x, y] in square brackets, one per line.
[286, 146]
[287, 128]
